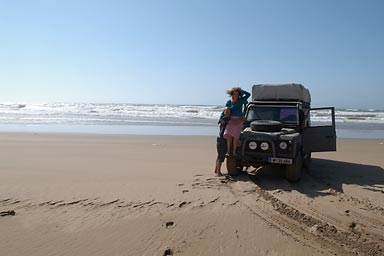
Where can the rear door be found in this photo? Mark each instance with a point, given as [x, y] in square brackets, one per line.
[320, 136]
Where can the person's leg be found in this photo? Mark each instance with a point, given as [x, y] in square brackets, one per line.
[235, 143]
[229, 144]
[237, 131]
[221, 146]
[218, 168]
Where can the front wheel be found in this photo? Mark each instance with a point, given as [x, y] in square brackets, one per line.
[232, 166]
[294, 171]
[307, 162]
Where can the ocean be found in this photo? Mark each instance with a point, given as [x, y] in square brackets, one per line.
[156, 119]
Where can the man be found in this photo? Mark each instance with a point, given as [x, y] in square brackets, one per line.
[221, 142]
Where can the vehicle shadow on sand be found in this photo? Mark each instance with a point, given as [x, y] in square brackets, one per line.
[324, 178]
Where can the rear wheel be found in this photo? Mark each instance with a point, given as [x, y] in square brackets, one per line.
[233, 167]
[294, 171]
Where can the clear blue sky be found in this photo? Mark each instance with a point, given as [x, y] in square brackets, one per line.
[189, 52]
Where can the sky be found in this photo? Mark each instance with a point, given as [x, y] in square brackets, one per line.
[190, 52]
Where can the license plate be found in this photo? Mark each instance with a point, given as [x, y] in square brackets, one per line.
[277, 160]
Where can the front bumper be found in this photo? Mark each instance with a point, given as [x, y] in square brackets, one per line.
[252, 160]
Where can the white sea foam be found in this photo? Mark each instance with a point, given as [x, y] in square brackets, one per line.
[115, 114]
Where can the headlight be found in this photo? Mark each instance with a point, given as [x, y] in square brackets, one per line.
[264, 146]
[283, 145]
[252, 145]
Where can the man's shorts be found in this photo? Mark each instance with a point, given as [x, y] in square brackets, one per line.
[221, 146]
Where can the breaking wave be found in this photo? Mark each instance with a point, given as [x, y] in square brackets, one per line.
[158, 114]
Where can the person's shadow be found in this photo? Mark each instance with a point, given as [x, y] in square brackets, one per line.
[323, 176]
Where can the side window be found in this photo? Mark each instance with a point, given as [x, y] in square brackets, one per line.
[321, 117]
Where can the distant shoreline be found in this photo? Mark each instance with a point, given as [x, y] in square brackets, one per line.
[157, 119]
[162, 130]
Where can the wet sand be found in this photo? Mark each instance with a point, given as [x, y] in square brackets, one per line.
[64, 194]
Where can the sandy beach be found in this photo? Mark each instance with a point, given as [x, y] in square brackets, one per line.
[67, 194]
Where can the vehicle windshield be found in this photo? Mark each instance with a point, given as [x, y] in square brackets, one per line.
[284, 114]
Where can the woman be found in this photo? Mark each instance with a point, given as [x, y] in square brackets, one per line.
[235, 104]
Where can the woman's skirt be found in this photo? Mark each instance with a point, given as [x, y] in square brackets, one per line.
[234, 127]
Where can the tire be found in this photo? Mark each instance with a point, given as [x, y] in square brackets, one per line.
[266, 126]
[232, 167]
[294, 171]
[307, 162]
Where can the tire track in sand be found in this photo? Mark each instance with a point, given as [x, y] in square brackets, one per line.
[304, 227]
